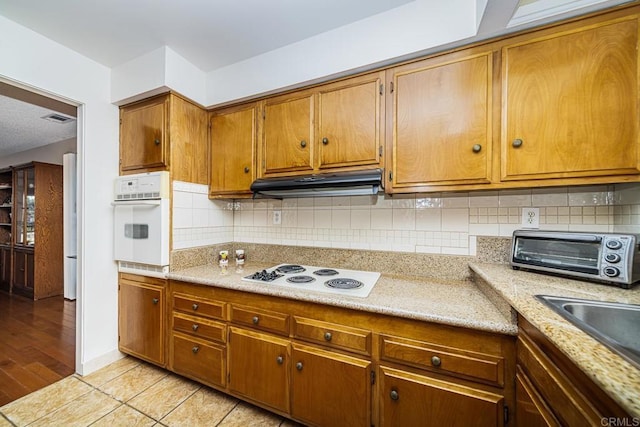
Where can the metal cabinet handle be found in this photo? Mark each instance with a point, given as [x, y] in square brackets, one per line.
[194, 306]
[157, 142]
[303, 143]
[299, 366]
[517, 143]
[279, 360]
[155, 301]
[325, 141]
[246, 169]
[195, 327]
[255, 320]
[435, 361]
[477, 148]
[195, 349]
[394, 395]
[327, 336]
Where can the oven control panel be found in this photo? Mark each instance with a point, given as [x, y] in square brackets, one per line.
[146, 186]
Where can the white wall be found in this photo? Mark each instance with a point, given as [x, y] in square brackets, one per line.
[35, 62]
[406, 31]
[51, 153]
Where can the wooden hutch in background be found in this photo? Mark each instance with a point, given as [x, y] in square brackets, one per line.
[31, 230]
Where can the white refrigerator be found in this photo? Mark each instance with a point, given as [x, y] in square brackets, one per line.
[70, 227]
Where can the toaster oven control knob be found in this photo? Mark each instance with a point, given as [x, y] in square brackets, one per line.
[611, 272]
[612, 258]
[614, 244]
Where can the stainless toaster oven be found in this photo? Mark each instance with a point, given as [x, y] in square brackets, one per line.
[604, 257]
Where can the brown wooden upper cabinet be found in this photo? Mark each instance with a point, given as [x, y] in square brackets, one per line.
[166, 132]
[439, 130]
[570, 101]
[233, 135]
[338, 125]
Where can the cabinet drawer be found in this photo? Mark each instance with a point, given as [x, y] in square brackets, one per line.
[260, 319]
[333, 335]
[198, 359]
[199, 327]
[199, 306]
[479, 366]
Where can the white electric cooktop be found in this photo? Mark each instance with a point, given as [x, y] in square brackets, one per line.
[318, 279]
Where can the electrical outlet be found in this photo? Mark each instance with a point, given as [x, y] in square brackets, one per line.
[531, 217]
[277, 217]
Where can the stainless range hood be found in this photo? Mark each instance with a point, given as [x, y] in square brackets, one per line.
[355, 183]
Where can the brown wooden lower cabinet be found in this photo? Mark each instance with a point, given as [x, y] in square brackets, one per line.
[5, 268]
[259, 368]
[23, 273]
[408, 399]
[330, 389]
[552, 390]
[330, 366]
[141, 317]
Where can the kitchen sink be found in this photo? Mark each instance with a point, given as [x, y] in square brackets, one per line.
[616, 325]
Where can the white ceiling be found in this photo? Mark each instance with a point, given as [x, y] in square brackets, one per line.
[208, 33]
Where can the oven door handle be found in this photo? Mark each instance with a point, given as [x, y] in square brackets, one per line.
[136, 203]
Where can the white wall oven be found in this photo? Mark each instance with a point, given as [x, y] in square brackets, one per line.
[141, 223]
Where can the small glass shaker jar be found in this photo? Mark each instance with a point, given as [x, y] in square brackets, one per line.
[239, 256]
[223, 258]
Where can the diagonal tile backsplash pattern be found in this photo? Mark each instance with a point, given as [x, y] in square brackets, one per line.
[437, 223]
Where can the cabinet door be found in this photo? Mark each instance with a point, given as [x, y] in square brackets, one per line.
[408, 399]
[288, 135]
[531, 410]
[23, 270]
[258, 368]
[570, 103]
[5, 269]
[441, 121]
[143, 135]
[349, 115]
[233, 142]
[330, 389]
[141, 320]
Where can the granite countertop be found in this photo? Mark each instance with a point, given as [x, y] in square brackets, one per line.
[456, 303]
[614, 374]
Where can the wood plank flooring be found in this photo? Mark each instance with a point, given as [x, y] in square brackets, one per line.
[37, 344]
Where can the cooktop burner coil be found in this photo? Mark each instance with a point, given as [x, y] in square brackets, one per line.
[300, 279]
[290, 269]
[341, 283]
[325, 272]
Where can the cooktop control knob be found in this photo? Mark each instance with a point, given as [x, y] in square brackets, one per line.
[614, 244]
[612, 258]
[611, 272]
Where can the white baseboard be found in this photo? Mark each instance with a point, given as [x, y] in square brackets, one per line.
[99, 362]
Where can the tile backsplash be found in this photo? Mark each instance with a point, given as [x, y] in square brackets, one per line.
[437, 223]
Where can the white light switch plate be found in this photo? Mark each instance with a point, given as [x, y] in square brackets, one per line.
[531, 217]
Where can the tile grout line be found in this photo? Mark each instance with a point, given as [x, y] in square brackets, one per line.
[228, 413]
[8, 420]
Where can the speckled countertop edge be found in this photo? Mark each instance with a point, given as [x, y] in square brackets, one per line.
[614, 374]
[455, 303]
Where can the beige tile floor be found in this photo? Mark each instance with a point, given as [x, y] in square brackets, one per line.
[132, 393]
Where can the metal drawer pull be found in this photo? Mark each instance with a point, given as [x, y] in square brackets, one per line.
[157, 141]
[517, 143]
[155, 300]
[394, 395]
[255, 320]
[195, 349]
[327, 336]
[194, 306]
[303, 143]
[435, 361]
[325, 141]
[246, 169]
[194, 327]
[299, 366]
[279, 360]
[477, 148]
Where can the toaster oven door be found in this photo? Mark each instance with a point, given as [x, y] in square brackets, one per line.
[570, 254]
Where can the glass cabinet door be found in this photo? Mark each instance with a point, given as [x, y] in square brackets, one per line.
[30, 206]
[20, 206]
